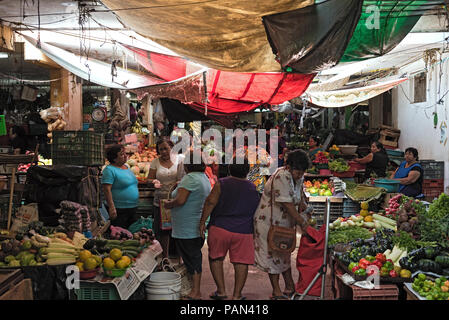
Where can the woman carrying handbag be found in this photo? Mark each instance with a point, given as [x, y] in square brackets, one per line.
[275, 223]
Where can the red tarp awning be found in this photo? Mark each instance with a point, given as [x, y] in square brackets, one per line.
[227, 92]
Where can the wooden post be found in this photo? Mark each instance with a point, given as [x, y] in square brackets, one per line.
[11, 196]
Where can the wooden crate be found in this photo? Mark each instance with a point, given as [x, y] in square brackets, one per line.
[9, 278]
[22, 291]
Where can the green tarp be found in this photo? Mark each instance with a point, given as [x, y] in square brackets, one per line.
[382, 26]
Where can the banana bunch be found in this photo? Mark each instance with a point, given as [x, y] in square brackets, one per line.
[136, 128]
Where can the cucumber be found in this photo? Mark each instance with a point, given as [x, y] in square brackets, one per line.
[130, 253]
[114, 242]
[132, 248]
[131, 243]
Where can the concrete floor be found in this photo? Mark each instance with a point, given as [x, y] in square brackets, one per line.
[257, 285]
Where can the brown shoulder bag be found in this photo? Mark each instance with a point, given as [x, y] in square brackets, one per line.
[280, 239]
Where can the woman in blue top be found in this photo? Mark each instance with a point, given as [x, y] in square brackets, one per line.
[186, 209]
[120, 188]
[409, 174]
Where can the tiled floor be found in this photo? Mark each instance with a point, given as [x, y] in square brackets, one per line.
[257, 285]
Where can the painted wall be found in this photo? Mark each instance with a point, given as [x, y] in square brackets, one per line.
[415, 120]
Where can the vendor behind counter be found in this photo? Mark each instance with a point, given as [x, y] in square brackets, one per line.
[376, 161]
[18, 140]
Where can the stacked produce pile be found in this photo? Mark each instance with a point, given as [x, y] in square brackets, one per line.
[319, 188]
[339, 165]
[377, 255]
[433, 225]
[321, 159]
[431, 287]
[71, 218]
[54, 118]
[365, 219]
[36, 250]
[139, 163]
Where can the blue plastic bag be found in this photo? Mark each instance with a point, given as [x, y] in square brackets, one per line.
[146, 223]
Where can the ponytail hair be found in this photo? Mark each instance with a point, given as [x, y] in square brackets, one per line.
[380, 146]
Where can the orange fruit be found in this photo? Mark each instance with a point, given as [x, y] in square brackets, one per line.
[115, 254]
[84, 255]
[90, 264]
[121, 264]
[80, 265]
[126, 259]
[108, 263]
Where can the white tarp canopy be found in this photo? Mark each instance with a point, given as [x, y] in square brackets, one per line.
[95, 71]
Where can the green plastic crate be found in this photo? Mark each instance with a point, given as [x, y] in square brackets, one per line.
[83, 148]
[2, 125]
[96, 291]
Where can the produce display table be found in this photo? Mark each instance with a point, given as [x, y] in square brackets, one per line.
[121, 288]
[351, 292]
[410, 295]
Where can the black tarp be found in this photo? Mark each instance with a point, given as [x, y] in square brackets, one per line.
[49, 185]
[177, 111]
[313, 38]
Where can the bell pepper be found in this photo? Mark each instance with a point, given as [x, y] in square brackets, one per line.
[378, 264]
[389, 260]
[389, 265]
[393, 274]
[360, 272]
[354, 269]
[352, 265]
[370, 258]
[384, 272]
[363, 260]
[364, 265]
[381, 257]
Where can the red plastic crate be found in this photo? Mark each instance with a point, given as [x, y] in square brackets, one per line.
[433, 183]
[432, 193]
[386, 292]
[347, 174]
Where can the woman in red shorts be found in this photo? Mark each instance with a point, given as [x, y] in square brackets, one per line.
[231, 206]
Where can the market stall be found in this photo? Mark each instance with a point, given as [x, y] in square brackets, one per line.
[403, 247]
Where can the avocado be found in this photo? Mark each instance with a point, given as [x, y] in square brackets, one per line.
[14, 263]
[9, 258]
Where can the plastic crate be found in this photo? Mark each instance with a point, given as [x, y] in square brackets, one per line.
[319, 209]
[433, 183]
[432, 193]
[386, 292]
[350, 207]
[96, 291]
[83, 148]
[432, 169]
[4, 207]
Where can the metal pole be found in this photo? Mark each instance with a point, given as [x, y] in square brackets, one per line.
[323, 279]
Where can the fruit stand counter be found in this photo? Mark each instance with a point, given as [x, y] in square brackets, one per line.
[103, 287]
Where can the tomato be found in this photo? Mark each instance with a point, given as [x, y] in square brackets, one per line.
[393, 274]
[364, 265]
[355, 269]
[381, 257]
[363, 260]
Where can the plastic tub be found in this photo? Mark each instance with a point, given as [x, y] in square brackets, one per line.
[348, 149]
[388, 184]
[163, 286]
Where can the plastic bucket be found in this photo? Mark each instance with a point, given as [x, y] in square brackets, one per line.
[163, 286]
